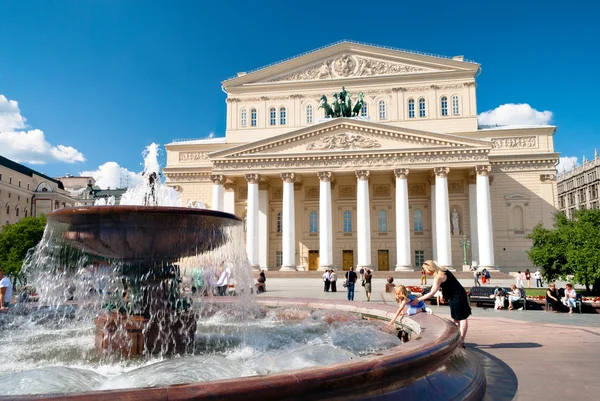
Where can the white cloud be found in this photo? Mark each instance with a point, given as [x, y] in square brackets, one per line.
[21, 144]
[111, 175]
[515, 114]
[566, 164]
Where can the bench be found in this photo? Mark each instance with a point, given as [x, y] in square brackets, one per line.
[561, 295]
[484, 294]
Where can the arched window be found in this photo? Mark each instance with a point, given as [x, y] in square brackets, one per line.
[411, 108]
[309, 114]
[17, 211]
[382, 221]
[243, 118]
[253, 117]
[422, 109]
[382, 110]
[26, 212]
[347, 221]
[444, 104]
[364, 111]
[282, 116]
[279, 222]
[313, 223]
[455, 106]
[418, 221]
[7, 211]
[518, 218]
[272, 116]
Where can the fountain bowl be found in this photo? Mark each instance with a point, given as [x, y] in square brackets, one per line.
[430, 366]
[123, 232]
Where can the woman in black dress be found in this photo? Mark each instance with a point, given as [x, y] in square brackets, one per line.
[453, 292]
[553, 298]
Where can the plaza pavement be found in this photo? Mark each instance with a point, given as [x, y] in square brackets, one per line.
[527, 355]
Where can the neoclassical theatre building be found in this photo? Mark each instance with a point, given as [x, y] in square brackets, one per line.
[404, 178]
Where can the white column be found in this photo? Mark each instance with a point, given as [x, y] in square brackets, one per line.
[442, 214]
[325, 222]
[287, 222]
[217, 195]
[433, 229]
[252, 220]
[263, 227]
[473, 221]
[402, 221]
[484, 218]
[229, 202]
[363, 219]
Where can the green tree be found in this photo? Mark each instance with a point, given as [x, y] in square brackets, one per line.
[16, 239]
[583, 248]
[548, 250]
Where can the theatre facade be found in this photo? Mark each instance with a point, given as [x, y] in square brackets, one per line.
[405, 176]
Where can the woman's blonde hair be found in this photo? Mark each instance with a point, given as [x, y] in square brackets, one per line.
[431, 267]
[401, 291]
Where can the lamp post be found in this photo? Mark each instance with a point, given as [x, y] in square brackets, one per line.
[465, 244]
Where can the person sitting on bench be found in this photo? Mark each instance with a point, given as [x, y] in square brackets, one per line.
[499, 303]
[513, 296]
[570, 299]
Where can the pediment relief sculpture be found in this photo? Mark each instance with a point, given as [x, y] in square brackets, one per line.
[344, 140]
[346, 66]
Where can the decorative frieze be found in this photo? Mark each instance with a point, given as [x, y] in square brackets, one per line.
[381, 190]
[418, 88]
[347, 65]
[311, 192]
[515, 142]
[416, 190]
[344, 140]
[347, 161]
[456, 187]
[186, 157]
[347, 191]
[189, 177]
[524, 166]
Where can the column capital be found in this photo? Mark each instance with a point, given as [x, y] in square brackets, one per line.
[229, 183]
[325, 176]
[288, 177]
[483, 170]
[252, 178]
[441, 172]
[362, 174]
[401, 172]
[217, 179]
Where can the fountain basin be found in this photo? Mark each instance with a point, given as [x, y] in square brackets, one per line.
[430, 366]
[143, 233]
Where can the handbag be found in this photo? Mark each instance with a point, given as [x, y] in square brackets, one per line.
[363, 283]
[345, 283]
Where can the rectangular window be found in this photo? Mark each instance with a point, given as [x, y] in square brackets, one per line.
[419, 258]
[411, 109]
[278, 259]
[243, 118]
[444, 106]
[19, 183]
[363, 110]
[282, 116]
[455, 108]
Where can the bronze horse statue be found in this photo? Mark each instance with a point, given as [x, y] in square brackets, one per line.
[359, 105]
[325, 106]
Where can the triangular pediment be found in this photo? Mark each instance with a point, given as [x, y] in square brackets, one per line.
[346, 136]
[346, 60]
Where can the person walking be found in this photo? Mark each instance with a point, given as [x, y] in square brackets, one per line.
[519, 279]
[528, 278]
[538, 278]
[350, 282]
[368, 287]
[454, 294]
[326, 281]
[476, 282]
[333, 280]
[6, 291]
[423, 277]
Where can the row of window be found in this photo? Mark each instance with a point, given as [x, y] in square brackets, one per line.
[382, 226]
[10, 180]
[382, 109]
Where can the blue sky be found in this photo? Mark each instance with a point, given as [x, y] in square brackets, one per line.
[105, 78]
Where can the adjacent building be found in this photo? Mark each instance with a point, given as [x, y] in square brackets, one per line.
[25, 192]
[85, 192]
[399, 181]
[578, 188]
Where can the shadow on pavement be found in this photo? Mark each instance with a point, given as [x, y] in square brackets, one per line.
[502, 383]
[511, 345]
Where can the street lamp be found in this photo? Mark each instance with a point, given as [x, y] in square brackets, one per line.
[465, 244]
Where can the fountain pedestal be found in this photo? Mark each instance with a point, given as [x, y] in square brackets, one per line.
[135, 335]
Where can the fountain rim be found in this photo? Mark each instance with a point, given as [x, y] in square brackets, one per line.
[432, 356]
[126, 209]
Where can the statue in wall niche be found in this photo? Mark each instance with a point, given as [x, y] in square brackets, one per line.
[455, 227]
